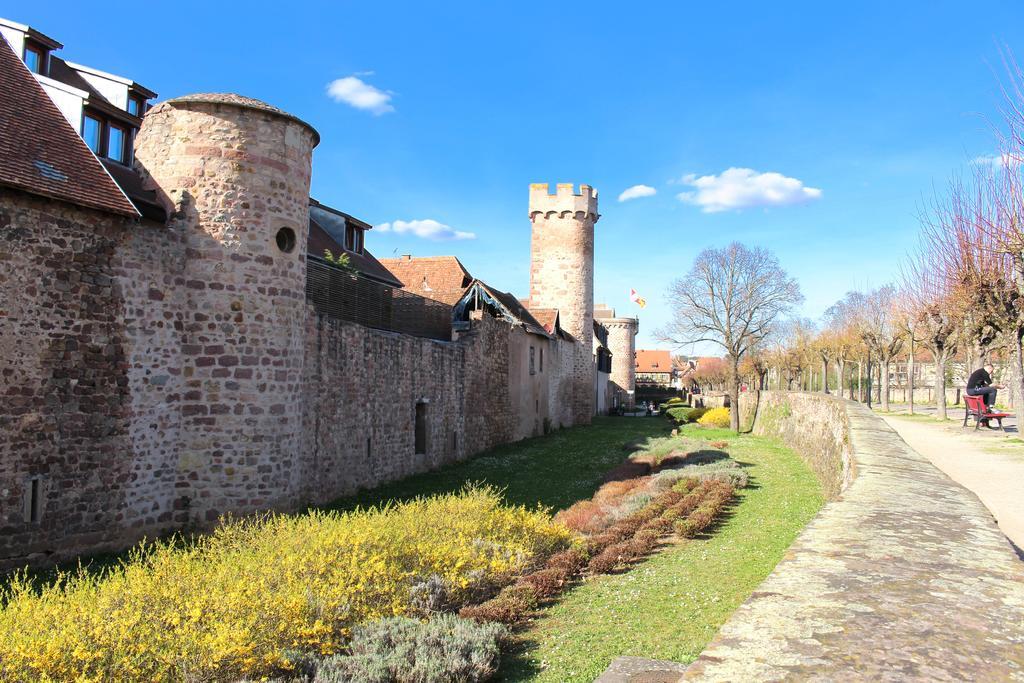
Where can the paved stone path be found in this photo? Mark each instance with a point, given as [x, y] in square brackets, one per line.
[989, 466]
[905, 577]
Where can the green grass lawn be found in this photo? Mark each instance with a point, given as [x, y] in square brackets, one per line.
[554, 471]
[670, 606]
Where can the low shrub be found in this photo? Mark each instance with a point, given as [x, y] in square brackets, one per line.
[585, 516]
[546, 583]
[571, 561]
[696, 414]
[613, 491]
[509, 606]
[597, 543]
[609, 558]
[238, 601]
[650, 535]
[401, 650]
[716, 417]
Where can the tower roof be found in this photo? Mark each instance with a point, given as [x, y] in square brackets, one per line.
[243, 102]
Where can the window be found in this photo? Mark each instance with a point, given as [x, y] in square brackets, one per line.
[285, 239]
[34, 59]
[542, 359]
[358, 242]
[350, 238]
[533, 370]
[34, 500]
[421, 428]
[136, 106]
[92, 131]
[116, 137]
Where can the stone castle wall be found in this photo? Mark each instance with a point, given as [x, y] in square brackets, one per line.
[156, 377]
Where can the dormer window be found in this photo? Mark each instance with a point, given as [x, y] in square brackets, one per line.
[107, 139]
[116, 139]
[92, 132]
[354, 239]
[35, 59]
[136, 106]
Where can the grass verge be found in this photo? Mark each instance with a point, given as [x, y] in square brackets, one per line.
[672, 605]
[554, 471]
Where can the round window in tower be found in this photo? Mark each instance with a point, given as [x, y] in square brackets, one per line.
[286, 240]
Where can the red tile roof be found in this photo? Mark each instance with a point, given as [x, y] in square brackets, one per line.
[39, 150]
[653, 361]
[547, 317]
[441, 278]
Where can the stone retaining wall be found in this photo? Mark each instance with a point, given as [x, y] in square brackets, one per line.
[814, 425]
[902, 576]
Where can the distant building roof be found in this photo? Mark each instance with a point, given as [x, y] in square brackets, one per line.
[441, 278]
[655, 360]
[547, 317]
[39, 150]
[326, 231]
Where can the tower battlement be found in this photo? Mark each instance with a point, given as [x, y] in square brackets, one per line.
[564, 201]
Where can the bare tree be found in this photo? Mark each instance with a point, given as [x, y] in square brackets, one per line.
[880, 331]
[730, 297]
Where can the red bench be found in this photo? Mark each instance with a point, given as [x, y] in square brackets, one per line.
[976, 409]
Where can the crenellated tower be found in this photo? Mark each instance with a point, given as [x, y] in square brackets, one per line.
[562, 273]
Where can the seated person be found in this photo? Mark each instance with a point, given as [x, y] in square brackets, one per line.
[980, 384]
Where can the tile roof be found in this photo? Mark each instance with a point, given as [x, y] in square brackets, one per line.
[655, 360]
[441, 278]
[39, 150]
[547, 317]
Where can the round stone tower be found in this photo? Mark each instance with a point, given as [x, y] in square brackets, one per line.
[622, 344]
[562, 273]
[236, 173]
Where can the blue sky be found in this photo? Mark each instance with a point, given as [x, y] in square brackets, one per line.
[864, 107]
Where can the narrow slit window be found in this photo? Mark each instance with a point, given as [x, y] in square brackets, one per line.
[421, 428]
[34, 500]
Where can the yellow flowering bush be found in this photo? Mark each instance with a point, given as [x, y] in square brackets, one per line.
[236, 602]
[716, 417]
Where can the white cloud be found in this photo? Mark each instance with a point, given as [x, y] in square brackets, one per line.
[636, 192]
[428, 229]
[357, 93]
[1003, 160]
[744, 188]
